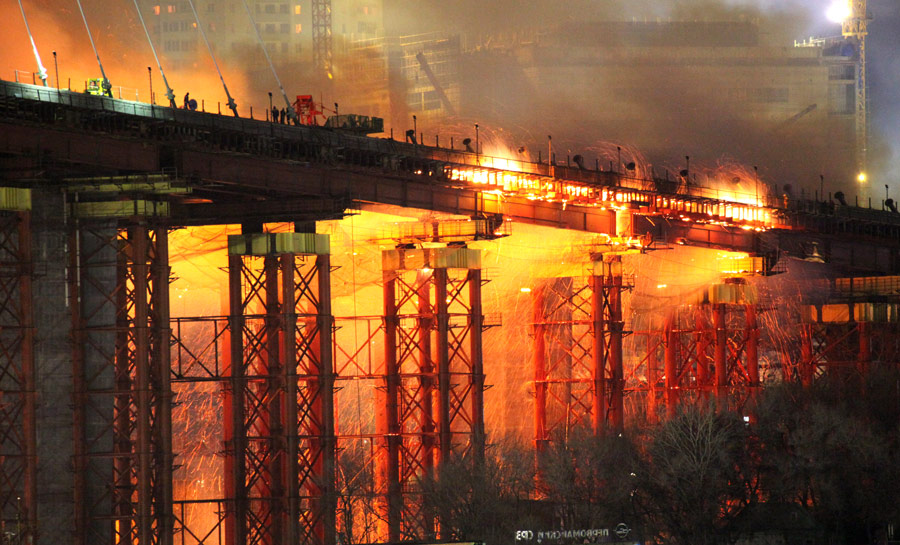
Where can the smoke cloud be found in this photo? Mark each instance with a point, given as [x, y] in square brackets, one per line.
[682, 108]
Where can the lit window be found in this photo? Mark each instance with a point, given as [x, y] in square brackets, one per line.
[170, 8]
[156, 10]
[194, 24]
[298, 28]
[297, 9]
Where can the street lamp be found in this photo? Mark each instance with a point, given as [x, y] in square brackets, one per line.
[415, 130]
[271, 111]
[150, 75]
[56, 67]
[477, 141]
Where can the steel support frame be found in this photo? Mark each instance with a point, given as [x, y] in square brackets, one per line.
[564, 369]
[280, 404]
[579, 377]
[119, 300]
[431, 404]
[846, 351]
[711, 350]
[18, 461]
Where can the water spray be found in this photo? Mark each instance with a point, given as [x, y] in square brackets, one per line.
[231, 103]
[290, 109]
[42, 72]
[107, 86]
[170, 94]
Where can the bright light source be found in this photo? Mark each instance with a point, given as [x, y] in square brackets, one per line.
[525, 290]
[839, 11]
[861, 178]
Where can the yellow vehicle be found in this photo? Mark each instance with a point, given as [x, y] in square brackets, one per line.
[94, 86]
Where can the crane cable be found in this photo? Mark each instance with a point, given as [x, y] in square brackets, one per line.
[231, 102]
[42, 72]
[107, 86]
[170, 94]
[290, 109]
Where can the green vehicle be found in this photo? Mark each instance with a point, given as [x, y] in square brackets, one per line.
[94, 86]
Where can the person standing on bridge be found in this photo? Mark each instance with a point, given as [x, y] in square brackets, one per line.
[187, 101]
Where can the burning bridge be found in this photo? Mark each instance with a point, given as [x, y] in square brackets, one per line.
[96, 373]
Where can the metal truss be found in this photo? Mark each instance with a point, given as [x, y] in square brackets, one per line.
[845, 351]
[432, 404]
[119, 298]
[323, 47]
[579, 377]
[279, 407]
[18, 492]
[709, 350]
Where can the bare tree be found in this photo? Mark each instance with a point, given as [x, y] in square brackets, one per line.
[691, 485]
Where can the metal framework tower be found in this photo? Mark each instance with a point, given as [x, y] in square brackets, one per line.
[431, 408]
[119, 299]
[18, 490]
[323, 50]
[280, 421]
[856, 26]
[842, 340]
[578, 363]
[709, 351]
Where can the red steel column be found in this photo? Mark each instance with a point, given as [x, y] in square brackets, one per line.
[435, 317]
[598, 356]
[325, 323]
[271, 491]
[652, 378]
[237, 384]
[138, 240]
[617, 408]
[388, 423]
[671, 366]
[123, 464]
[476, 327]
[807, 365]
[721, 355]
[540, 370]
[159, 273]
[702, 345]
[865, 348]
[288, 349]
[752, 336]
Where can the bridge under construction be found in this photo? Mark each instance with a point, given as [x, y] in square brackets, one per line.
[204, 315]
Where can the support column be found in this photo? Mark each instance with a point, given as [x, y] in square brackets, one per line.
[752, 340]
[616, 325]
[476, 328]
[540, 370]
[119, 288]
[721, 355]
[807, 363]
[388, 428]
[672, 385]
[282, 410]
[599, 356]
[18, 448]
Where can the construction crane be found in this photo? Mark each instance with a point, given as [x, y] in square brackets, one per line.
[854, 24]
[323, 54]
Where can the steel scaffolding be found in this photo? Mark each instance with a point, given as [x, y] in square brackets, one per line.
[119, 299]
[279, 426]
[431, 406]
[709, 351]
[579, 378]
[18, 492]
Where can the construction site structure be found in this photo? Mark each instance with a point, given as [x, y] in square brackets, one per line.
[856, 27]
[432, 401]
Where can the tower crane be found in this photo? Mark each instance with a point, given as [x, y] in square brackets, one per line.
[855, 25]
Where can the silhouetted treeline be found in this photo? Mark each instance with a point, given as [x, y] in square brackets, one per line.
[802, 465]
